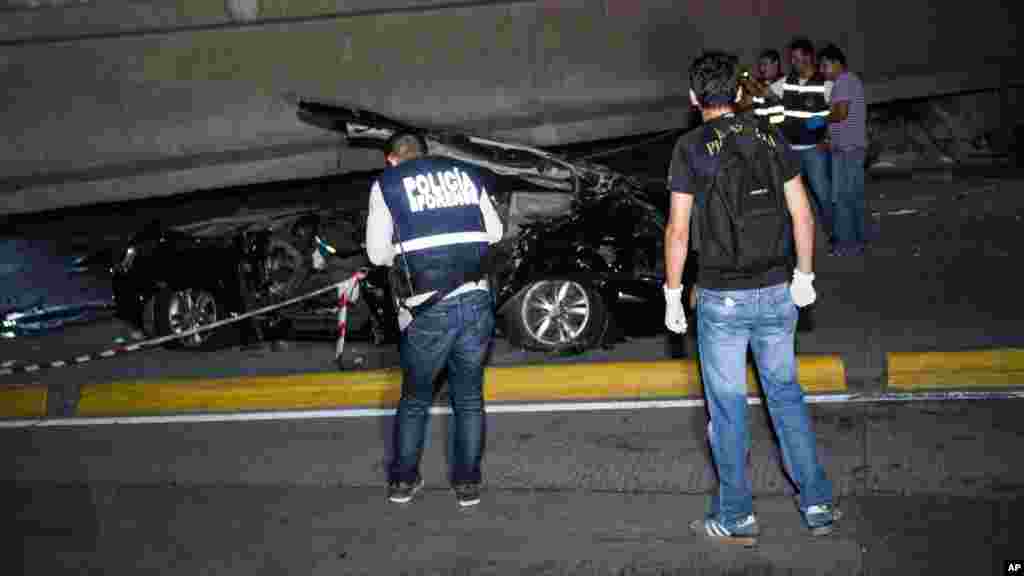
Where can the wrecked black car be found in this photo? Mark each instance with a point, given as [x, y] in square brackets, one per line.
[171, 279]
[579, 239]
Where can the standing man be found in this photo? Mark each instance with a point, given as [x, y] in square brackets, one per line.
[848, 141]
[760, 99]
[769, 66]
[805, 96]
[432, 217]
[752, 207]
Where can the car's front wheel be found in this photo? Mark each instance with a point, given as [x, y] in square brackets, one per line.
[181, 310]
[558, 315]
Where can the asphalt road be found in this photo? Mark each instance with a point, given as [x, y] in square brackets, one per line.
[924, 487]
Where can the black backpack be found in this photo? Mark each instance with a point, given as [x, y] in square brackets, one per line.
[744, 220]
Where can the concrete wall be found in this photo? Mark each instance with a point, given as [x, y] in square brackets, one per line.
[118, 99]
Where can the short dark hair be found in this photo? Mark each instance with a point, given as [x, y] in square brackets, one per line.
[714, 79]
[803, 44]
[771, 54]
[832, 53]
[406, 145]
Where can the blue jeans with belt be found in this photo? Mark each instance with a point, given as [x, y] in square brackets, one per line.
[455, 332]
[765, 319]
[814, 165]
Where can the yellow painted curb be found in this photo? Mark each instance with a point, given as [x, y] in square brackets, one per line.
[367, 388]
[997, 368]
[23, 402]
[381, 388]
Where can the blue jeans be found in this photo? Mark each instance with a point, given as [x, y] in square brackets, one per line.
[848, 192]
[456, 332]
[765, 319]
[814, 165]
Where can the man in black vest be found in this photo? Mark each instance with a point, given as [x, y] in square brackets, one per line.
[432, 218]
[759, 99]
[805, 96]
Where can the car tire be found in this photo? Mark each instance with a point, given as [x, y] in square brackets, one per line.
[180, 310]
[287, 268]
[557, 315]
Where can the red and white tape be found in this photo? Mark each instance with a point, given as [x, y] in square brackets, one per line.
[347, 289]
[347, 294]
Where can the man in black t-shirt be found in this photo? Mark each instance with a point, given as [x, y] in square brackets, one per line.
[737, 309]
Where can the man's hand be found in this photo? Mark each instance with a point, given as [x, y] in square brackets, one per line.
[675, 316]
[802, 289]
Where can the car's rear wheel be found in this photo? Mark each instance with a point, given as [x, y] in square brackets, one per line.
[286, 269]
[182, 310]
[558, 315]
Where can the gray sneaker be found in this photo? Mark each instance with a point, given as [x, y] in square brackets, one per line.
[744, 533]
[821, 518]
[402, 492]
[467, 494]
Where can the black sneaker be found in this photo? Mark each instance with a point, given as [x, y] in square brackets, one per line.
[402, 492]
[467, 494]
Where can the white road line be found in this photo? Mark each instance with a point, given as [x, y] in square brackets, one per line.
[540, 407]
[525, 408]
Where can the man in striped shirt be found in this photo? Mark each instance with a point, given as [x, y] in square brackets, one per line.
[848, 137]
[758, 98]
[769, 71]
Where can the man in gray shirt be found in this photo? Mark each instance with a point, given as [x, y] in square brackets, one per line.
[848, 136]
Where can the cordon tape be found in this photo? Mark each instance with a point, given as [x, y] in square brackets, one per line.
[348, 293]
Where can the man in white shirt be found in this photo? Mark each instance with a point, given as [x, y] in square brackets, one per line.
[432, 218]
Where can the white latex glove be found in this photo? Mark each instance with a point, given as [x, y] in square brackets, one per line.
[404, 319]
[319, 263]
[802, 289]
[675, 316]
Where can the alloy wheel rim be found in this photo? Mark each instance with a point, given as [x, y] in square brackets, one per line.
[189, 309]
[556, 312]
